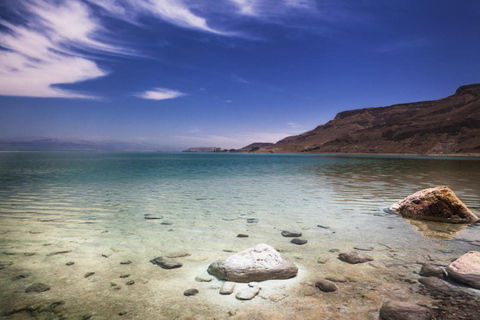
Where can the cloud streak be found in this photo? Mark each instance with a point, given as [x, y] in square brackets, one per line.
[161, 94]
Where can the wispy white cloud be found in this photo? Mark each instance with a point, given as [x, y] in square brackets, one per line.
[161, 94]
[40, 54]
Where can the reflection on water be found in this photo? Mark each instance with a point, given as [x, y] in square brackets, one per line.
[436, 230]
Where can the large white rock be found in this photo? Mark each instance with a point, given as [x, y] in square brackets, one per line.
[466, 269]
[259, 263]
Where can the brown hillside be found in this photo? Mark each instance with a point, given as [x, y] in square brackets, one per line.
[446, 126]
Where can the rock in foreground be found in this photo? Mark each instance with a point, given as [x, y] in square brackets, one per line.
[436, 204]
[396, 310]
[166, 263]
[259, 263]
[354, 257]
[466, 269]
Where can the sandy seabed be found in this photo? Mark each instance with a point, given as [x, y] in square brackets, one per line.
[37, 249]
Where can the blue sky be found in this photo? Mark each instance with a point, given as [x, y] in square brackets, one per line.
[173, 74]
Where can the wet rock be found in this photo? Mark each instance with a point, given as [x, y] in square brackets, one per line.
[430, 270]
[29, 254]
[436, 204]
[326, 286]
[364, 248]
[291, 234]
[126, 262]
[436, 284]
[37, 288]
[122, 313]
[299, 241]
[354, 257]
[248, 294]
[166, 223]
[130, 282]
[179, 254]
[190, 292]
[152, 217]
[227, 288]
[252, 220]
[399, 310]
[58, 252]
[259, 263]
[466, 269]
[22, 275]
[125, 275]
[166, 263]
[323, 227]
[203, 278]
[115, 286]
[340, 279]
[241, 235]
[88, 274]
[70, 263]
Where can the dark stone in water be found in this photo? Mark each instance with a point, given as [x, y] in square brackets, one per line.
[88, 274]
[323, 227]
[190, 292]
[166, 263]
[241, 235]
[22, 275]
[429, 270]
[70, 263]
[131, 282]
[291, 234]
[58, 252]
[299, 241]
[150, 217]
[126, 262]
[252, 220]
[167, 223]
[126, 275]
[326, 286]
[354, 257]
[393, 310]
[37, 288]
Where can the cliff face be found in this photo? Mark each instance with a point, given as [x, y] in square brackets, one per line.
[445, 126]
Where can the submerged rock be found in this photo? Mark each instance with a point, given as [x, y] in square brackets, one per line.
[166, 263]
[190, 292]
[354, 257]
[299, 241]
[248, 294]
[227, 288]
[291, 234]
[37, 288]
[430, 270]
[466, 269]
[259, 263]
[326, 286]
[436, 204]
[399, 310]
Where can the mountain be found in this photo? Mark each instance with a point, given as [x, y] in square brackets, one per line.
[446, 126]
[255, 146]
[203, 149]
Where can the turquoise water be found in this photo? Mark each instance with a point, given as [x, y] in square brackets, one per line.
[94, 204]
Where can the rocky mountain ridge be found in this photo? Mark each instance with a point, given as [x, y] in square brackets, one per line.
[446, 126]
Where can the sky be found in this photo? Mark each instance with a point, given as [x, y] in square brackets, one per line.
[173, 74]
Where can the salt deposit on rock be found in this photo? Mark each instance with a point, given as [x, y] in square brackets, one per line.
[259, 263]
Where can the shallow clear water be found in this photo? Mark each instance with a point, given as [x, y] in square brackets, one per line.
[95, 203]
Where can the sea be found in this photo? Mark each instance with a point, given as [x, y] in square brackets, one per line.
[64, 215]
